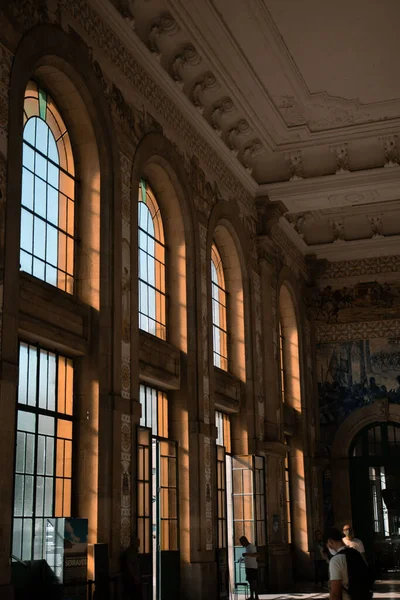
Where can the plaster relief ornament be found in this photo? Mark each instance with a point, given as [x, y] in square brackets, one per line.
[250, 151]
[338, 231]
[295, 161]
[376, 225]
[390, 151]
[188, 55]
[224, 106]
[164, 25]
[240, 129]
[126, 10]
[207, 82]
[298, 220]
[340, 151]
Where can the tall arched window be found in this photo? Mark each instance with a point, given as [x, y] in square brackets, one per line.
[281, 361]
[218, 294]
[48, 193]
[151, 255]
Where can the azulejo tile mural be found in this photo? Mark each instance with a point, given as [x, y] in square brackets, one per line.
[354, 374]
[367, 301]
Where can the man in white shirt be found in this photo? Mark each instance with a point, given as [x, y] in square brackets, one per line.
[338, 574]
[351, 541]
[250, 562]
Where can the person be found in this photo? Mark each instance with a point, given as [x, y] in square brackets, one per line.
[321, 559]
[130, 571]
[250, 562]
[348, 572]
[351, 541]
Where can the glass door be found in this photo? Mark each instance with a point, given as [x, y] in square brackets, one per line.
[248, 500]
[157, 516]
[222, 530]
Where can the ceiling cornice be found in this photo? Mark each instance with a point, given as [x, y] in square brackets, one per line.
[347, 189]
[357, 249]
[145, 58]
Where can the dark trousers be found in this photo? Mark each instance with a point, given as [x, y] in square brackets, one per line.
[321, 571]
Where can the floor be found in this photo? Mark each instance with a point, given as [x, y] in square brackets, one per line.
[385, 589]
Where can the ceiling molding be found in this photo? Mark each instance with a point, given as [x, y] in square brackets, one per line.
[330, 191]
[357, 249]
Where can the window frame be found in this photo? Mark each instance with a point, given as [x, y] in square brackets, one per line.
[39, 105]
[57, 415]
[160, 325]
[223, 335]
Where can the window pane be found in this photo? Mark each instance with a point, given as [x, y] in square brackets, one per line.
[27, 189]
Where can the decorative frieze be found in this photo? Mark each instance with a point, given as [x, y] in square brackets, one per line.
[126, 483]
[365, 266]
[345, 332]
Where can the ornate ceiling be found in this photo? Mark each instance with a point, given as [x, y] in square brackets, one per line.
[306, 98]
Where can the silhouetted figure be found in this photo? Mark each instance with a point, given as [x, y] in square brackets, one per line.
[130, 572]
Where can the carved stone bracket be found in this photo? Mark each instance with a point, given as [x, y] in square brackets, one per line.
[224, 106]
[242, 128]
[208, 82]
[340, 151]
[250, 151]
[188, 55]
[166, 24]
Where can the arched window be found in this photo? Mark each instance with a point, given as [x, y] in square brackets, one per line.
[151, 256]
[48, 193]
[152, 301]
[218, 294]
[281, 361]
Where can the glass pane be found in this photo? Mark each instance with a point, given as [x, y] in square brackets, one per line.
[64, 429]
[39, 496]
[46, 425]
[26, 421]
[19, 496]
[28, 496]
[27, 189]
[41, 455]
[27, 539]
[20, 453]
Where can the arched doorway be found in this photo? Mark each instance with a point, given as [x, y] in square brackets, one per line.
[375, 492]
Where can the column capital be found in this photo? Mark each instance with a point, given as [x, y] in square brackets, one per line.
[268, 214]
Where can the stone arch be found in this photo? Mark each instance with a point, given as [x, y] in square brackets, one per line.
[47, 54]
[377, 412]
